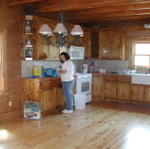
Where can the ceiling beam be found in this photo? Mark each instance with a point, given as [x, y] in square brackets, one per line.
[112, 18]
[55, 5]
[115, 14]
[20, 2]
[111, 9]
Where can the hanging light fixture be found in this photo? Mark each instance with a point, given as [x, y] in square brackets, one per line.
[61, 31]
[46, 30]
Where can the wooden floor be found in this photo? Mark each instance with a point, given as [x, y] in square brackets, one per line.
[99, 126]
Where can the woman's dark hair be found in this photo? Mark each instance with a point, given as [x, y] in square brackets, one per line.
[66, 55]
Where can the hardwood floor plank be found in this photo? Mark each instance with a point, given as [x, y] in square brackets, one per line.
[99, 126]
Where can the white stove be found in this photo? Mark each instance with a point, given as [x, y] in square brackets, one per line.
[83, 85]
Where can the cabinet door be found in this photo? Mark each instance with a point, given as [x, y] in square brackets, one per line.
[137, 92]
[111, 45]
[110, 90]
[123, 91]
[59, 97]
[94, 44]
[147, 94]
[97, 87]
[104, 45]
[31, 89]
[117, 47]
[48, 100]
[86, 42]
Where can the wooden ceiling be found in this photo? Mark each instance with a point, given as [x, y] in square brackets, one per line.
[92, 11]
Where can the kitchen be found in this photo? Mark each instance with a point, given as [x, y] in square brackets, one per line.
[113, 50]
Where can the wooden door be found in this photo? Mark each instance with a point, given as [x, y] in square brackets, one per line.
[110, 90]
[123, 91]
[137, 92]
[48, 100]
[97, 87]
[147, 94]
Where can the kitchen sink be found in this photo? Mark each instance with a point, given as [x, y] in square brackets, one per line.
[141, 79]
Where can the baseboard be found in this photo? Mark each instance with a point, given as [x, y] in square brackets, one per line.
[11, 115]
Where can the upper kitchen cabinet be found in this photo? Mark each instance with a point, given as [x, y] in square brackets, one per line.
[94, 44]
[86, 42]
[111, 44]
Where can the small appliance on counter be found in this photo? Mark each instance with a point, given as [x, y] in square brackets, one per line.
[91, 67]
[85, 68]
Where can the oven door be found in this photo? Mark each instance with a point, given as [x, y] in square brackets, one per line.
[83, 85]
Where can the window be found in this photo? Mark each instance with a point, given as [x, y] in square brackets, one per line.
[142, 54]
[3, 60]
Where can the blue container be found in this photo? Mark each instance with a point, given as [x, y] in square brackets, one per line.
[51, 72]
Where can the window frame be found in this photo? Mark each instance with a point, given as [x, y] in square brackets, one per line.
[134, 54]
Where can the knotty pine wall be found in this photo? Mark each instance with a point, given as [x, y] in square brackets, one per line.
[10, 21]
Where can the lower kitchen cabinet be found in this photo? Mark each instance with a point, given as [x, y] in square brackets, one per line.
[123, 91]
[59, 97]
[137, 93]
[98, 87]
[110, 90]
[46, 91]
[120, 88]
[48, 100]
[146, 94]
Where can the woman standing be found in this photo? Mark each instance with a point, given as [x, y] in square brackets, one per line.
[67, 78]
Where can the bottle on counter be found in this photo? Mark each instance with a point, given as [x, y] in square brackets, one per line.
[91, 67]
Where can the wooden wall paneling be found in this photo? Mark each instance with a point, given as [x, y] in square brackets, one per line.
[7, 22]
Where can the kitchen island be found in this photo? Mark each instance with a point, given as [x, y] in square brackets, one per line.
[47, 91]
[121, 88]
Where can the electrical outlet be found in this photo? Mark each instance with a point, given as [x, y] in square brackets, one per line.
[10, 103]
